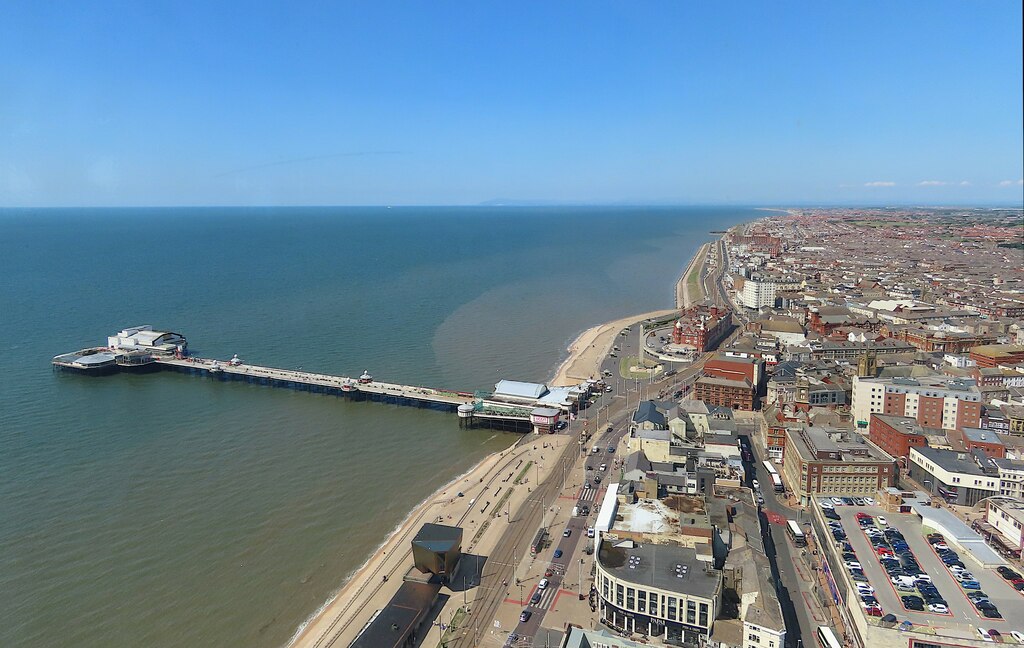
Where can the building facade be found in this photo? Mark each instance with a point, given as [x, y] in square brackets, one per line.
[933, 401]
[817, 465]
[953, 476]
[896, 435]
[658, 590]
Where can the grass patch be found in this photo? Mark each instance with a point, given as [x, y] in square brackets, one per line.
[480, 531]
[496, 511]
[522, 473]
[633, 361]
[453, 627]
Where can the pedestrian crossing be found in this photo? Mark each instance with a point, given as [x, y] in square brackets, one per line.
[547, 597]
[588, 494]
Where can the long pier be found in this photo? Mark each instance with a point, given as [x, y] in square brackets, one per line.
[140, 349]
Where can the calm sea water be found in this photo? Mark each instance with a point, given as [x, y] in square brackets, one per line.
[167, 510]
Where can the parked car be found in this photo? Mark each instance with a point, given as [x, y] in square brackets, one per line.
[1007, 573]
[970, 584]
[938, 608]
[873, 611]
[881, 520]
[913, 603]
[991, 614]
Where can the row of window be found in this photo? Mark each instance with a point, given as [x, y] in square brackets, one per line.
[666, 607]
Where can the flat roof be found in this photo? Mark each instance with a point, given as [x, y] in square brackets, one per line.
[950, 460]
[979, 435]
[667, 567]
[952, 527]
[400, 617]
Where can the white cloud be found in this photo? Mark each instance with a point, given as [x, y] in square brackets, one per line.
[1012, 183]
[932, 183]
[880, 183]
[965, 183]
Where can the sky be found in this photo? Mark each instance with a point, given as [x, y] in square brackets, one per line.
[457, 103]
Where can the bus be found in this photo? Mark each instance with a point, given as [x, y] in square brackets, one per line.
[769, 468]
[777, 483]
[827, 638]
[796, 534]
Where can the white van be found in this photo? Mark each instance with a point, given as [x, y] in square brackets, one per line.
[904, 581]
[590, 532]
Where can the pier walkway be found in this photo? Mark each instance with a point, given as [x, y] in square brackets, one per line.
[315, 382]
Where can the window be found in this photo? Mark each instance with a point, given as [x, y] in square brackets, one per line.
[703, 615]
[630, 599]
[754, 638]
[619, 591]
[671, 608]
[691, 612]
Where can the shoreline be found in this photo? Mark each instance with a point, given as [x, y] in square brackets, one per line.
[586, 352]
[360, 578]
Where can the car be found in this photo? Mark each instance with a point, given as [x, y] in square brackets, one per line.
[867, 600]
[597, 479]
[611, 449]
[756, 484]
[603, 467]
[991, 614]
[1007, 573]
[881, 520]
[938, 608]
[995, 634]
[873, 611]
[543, 584]
[558, 553]
[964, 576]
[922, 577]
[985, 604]
[940, 546]
[883, 551]
[977, 594]
[970, 584]
[858, 501]
[863, 588]
[858, 576]
[831, 514]
[525, 616]
[566, 533]
[608, 389]
[1019, 636]
[1018, 585]
[853, 564]
[848, 501]
[849, 555]
[535, 599]
[837, 500]
[869, 501]
[838, 534]
[861, 515]
[984, 634]
[913, 603]
[846, 547]
[935, 537]
[827, 504]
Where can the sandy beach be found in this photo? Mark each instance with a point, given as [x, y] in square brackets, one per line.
[456, 503]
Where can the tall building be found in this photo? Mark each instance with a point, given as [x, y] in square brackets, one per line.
[934, 401]
[758, 294]
[819, 463]
[701, 327]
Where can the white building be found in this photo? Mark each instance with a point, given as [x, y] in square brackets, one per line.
[934, 401]
[758, 294]
[1011, 477]
[1006, 515]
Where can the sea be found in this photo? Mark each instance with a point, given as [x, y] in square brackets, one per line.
[166, 510]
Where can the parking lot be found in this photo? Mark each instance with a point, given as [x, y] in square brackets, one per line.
[1008, 601]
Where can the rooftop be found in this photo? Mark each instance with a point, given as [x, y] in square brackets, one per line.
[666, 567]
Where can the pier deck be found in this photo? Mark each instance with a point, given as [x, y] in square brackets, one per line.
[325, 382]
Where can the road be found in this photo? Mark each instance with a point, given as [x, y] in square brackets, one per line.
[780, 551]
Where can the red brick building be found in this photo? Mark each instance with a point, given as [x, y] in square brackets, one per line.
[735, 367]
[897, 434]
[725, 392]
[928, 340]
[991, 355]
[702, 327]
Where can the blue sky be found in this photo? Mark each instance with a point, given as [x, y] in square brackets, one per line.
[179, 103]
